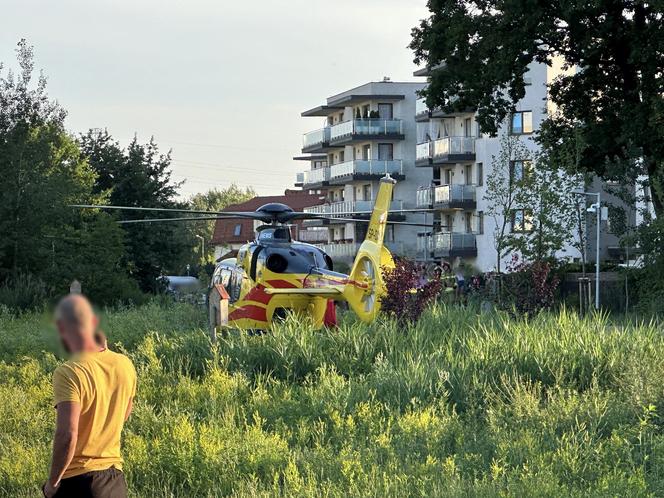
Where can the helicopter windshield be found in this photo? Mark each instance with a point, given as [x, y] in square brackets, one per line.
[274, 234]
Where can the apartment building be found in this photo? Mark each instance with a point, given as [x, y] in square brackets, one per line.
[458, 155]
[365, 133]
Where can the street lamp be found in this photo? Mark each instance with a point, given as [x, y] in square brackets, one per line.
[202, 246]
[597, 209]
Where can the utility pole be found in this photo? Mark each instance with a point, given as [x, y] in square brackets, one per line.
[597, 209]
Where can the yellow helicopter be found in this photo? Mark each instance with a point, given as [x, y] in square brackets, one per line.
[274, 275]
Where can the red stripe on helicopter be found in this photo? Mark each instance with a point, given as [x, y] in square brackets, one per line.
[282, 284]
[258, 295]
[249, 311]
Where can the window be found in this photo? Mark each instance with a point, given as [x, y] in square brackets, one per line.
[522, 221]
[468, 219]
[519, 170]
[385, 111]
[468, 174]
[467, 127]
[522, 123]
[366, 192]
[448, 223]
[480, 174]
[447, 177]
[385, 152]
[365, 111]
[366, 152]
[480, 222]
[238, 230]
[341, 156]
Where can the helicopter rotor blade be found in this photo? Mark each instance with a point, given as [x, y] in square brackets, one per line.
[160, 220]
[219, 214]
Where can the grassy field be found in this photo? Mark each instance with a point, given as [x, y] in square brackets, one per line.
[461, 405]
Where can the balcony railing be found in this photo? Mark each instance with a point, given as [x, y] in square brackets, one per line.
[448, 243]
[314, 236]
[317, 137]
[423, 151]
[316, 176]
[453, 146]
[344, 209]
[455, 193]
[458, 195]
[345, 250]
[424, 197]
[299, 178]
[366, 167]
[366, 127]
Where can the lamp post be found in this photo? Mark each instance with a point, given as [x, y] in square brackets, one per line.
[202, 246]
[597, 209]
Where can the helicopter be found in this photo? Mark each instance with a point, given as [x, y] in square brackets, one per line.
[274, 275]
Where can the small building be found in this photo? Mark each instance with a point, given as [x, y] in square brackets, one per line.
[230, 234]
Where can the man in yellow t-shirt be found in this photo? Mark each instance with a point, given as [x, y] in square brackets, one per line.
[93, 392]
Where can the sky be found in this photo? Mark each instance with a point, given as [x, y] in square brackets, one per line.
[220, 83]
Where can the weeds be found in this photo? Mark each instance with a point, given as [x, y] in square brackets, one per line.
[457, 405]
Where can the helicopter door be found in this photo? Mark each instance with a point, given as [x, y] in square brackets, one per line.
[235, 285]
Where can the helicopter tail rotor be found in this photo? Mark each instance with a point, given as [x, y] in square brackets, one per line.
[365, 285]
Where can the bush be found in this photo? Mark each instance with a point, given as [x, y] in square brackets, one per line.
[529, 287]
[23, 292]
[407, 291]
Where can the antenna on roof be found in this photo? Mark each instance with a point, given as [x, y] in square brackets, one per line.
[387, 79]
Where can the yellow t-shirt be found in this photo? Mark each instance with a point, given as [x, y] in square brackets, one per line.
[103, 383]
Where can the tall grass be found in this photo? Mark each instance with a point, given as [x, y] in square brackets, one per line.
[459, 405]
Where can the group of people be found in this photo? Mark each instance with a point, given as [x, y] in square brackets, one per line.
[452, 280]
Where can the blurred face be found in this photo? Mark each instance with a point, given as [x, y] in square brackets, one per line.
[76, 324]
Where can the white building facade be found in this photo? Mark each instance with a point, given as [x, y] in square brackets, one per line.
[366, 132]
[459, 157]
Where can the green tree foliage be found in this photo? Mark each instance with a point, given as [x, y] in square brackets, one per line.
[612, 107]
[41, 173]
[215, 200]
[545, 195]
[140, 176]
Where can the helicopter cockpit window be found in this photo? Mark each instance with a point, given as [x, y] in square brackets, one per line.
[234, 286]
[274, 234]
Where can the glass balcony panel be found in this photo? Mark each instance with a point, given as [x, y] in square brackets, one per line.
[423, 151]
[453, 145]
[424, 197]
[366, 127]
[316, 137]
[316, 175]
[370, 167]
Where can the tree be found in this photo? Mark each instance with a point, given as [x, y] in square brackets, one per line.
[545, 195]
[140, 176]
[478, 52]
[42, 172]
[215, 200]
[502, 195]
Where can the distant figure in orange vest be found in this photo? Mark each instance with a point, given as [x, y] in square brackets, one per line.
[93, 394]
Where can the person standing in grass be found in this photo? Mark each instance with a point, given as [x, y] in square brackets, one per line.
[93, 394]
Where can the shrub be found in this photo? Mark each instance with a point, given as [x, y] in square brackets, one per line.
[530, 287]
[23, 292]
[407, 292]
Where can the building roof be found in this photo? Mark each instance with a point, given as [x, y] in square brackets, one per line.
[225, 230]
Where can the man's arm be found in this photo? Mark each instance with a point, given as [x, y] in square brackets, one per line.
[130, 405]
[64, 442]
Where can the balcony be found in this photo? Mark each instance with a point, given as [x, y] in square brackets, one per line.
[366, 129]
[455, 196]
[299, 179]
[341, 251]
[453, 150]
[365, 170]
[351, 210]
[314, 178]
[314, 236]
[453, 244]
[316, 141]
[445, 150]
